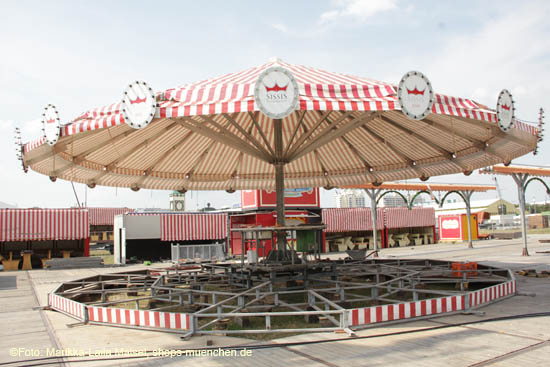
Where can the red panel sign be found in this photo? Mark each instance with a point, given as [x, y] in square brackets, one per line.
[294, 198]
[450, 227]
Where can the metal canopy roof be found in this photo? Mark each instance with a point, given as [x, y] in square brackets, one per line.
[423, 187]
[210, 135]
[509, 170]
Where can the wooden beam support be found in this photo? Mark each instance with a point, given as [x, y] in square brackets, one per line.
[308, 133]
[448, 154]
[248, 135]
[113, 164]
[235, 143]
[332, 132]
[393, 147]
[262, 134]
[481, 145]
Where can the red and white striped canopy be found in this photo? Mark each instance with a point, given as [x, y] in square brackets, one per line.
[193, 227]
[43, 224]
[210, 135]
[105, 216]
[405, 218]
[351, 219]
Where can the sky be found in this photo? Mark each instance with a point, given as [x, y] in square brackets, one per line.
[79, 55]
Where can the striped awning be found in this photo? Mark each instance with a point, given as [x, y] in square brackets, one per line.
[210, 135]
[43, 224]
[192, 227]
[351, 219]
[105, 216]
[405, 218]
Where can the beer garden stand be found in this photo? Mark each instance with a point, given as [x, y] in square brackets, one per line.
[277, 125]
[376, 192]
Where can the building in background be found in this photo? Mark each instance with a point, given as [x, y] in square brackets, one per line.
[392, 200]
[350, 199]
[177, 201]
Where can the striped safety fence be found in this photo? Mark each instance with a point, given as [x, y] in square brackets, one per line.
[409, 310]
[67, 306]
[490, 294]
[149, 319]
[406, 310]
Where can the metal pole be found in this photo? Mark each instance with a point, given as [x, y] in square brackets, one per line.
[520, 182]
[373, 195]
[280, 183]
[467, 195]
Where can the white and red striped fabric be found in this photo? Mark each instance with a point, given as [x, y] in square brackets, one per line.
[193, 226]
[405, 218]
[73, 308]
[149, 319]
[105, 216]
[486, 295]
[407, 310]
[43, 224]
[319, 90]
[33, 144]
[351, 219]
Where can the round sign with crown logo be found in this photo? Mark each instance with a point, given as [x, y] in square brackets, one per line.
[138, 104]
[276, 92]
[416, 95]
[51, 124]
[505, 110]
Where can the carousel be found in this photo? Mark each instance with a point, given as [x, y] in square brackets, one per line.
[277, 126]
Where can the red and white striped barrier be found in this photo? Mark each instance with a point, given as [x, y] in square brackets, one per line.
[407, 310]
[490, 294]
[67, 306]
[150, 319]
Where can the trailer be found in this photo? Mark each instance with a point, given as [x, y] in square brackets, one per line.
[150, 236]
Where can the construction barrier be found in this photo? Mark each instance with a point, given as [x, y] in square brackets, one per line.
[490, 294]
[67, 306]
[148, 319]
[401, 311]
[434, 306]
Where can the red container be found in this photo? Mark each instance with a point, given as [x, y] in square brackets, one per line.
[469, 269]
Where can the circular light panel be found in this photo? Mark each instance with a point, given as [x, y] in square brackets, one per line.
[138, 104]
[415, 95]
[505, 110]
[51, 124]
[276, 92]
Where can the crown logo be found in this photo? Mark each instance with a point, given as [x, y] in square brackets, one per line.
[138, 100]
[275, 88]
[50, 121]
[415, 91]
[506, 107]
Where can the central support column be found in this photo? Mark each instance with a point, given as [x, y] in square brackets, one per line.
[280, 183]
[280, 189]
